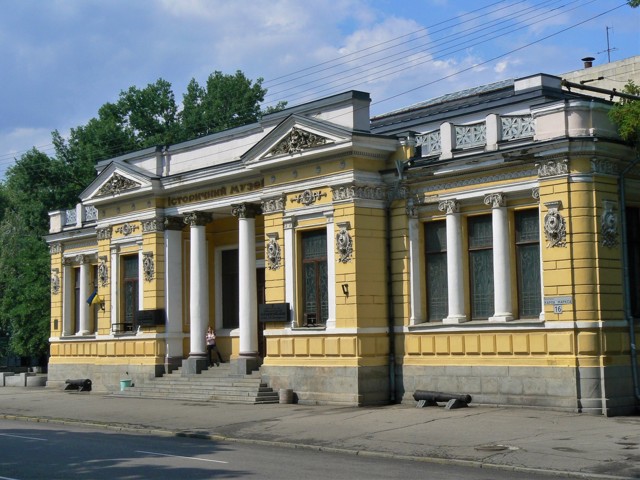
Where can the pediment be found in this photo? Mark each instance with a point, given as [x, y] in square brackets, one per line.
[295, 136]
[116, 180]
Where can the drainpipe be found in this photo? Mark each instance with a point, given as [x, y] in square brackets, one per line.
[626, 283]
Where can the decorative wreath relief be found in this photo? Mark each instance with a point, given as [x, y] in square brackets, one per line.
[609, 225]
[273, 252]
[344, 243]
[148, 266]
[555, 227]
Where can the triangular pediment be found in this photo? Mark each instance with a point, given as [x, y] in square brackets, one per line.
[295, 136]
[116, 180]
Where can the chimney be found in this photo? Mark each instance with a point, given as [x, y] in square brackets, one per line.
[588, 62]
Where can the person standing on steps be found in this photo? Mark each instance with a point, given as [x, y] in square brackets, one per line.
[212, 348]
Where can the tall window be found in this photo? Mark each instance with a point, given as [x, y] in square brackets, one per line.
[130, 283]
[633, 251]
[481, 266]
[314, 277]
[436, 260]
[528, 262]
[230, 289]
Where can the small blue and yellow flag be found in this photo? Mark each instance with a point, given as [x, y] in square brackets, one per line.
[94, 298]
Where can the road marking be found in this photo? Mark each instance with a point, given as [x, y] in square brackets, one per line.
[20, 436]
[7, 478]
[180, 456]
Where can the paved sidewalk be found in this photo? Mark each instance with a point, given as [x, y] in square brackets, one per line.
[520, 439]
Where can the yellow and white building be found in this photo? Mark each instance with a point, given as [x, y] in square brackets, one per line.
[485, 242]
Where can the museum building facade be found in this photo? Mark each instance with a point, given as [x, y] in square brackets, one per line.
[484, 242]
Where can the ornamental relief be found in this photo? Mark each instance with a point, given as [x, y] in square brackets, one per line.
[55, 248]
[553, 167]
[296, 141]
[555, 226]
[117, 184]
[609, 225]
[273, 254]
[344, 242]
[152, 226]
[55, 281]
[104, 233]
[103, 272]
[449, 206]
[148, 267]
[127, 229]
[495, 200]
[599, 165]
[308, 197]
[364, 192]
[273, 205]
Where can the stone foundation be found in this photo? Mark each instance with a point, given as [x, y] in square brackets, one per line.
[104, 378]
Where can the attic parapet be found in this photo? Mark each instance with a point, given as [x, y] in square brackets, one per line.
[78, 217]
[573, 118]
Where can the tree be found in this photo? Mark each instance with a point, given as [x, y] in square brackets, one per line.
[626, 115]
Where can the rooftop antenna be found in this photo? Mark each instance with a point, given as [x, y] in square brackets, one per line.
[609, 49]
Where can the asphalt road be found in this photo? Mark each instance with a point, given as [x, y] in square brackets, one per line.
[46, 451]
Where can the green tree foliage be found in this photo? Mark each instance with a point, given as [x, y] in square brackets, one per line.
[626, 115]
[38, 183]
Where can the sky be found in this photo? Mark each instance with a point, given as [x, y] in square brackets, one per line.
[61, 60]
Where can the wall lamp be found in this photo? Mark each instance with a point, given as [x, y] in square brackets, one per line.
[345, 289]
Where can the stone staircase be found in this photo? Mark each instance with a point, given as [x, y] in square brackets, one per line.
[217, 384]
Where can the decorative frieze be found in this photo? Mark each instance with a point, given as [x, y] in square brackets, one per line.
[148, 267]
[364, 192]
[599, 165]
[296, 141]
[103, 271]
[308, 197]
[555, 227]
[495, 200]
[197, 219]
[104, 233]
[344, 242]
[55, 248]
[551, 168]
[245, 210]
[152, 226]
[449, 206]
[127, 229]
[273, 205]
[535, 193]
[609, 225]
[273, 254]
[55, 281]
[117, 184]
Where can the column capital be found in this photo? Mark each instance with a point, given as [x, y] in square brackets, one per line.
[449, 206]
[245, 210]
[174, 223]
[496, 200]
[197, 219]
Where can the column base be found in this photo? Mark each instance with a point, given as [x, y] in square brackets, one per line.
[244, 365]
[501, 318]
[194, 364]
[455, 319]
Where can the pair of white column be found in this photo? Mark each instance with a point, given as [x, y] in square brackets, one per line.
[84, 313]
[501, 260]
[199, 281]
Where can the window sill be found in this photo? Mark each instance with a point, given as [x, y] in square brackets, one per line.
[303, 328]
[477, 325]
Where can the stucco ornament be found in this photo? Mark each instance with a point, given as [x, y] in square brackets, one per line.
[555, 227]
[344, 243]
[296, 141]
[148, 266]
[103, 272]
[274, 255]
[609, 225]
[55, 281]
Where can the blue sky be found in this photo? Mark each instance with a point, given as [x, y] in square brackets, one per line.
[60, 60]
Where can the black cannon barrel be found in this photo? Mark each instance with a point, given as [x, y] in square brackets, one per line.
[440, 396]
[82, 384]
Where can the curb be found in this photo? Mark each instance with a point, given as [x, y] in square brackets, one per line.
[362, 453]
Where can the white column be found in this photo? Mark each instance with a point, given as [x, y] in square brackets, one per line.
[415, 277]
[289, 266]
[67, 297]
[331, 271]
[248, 301]
[115, 284]
[199, 283]
[173, 288]
[455, 277]
[501, 258]
[83, 321]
